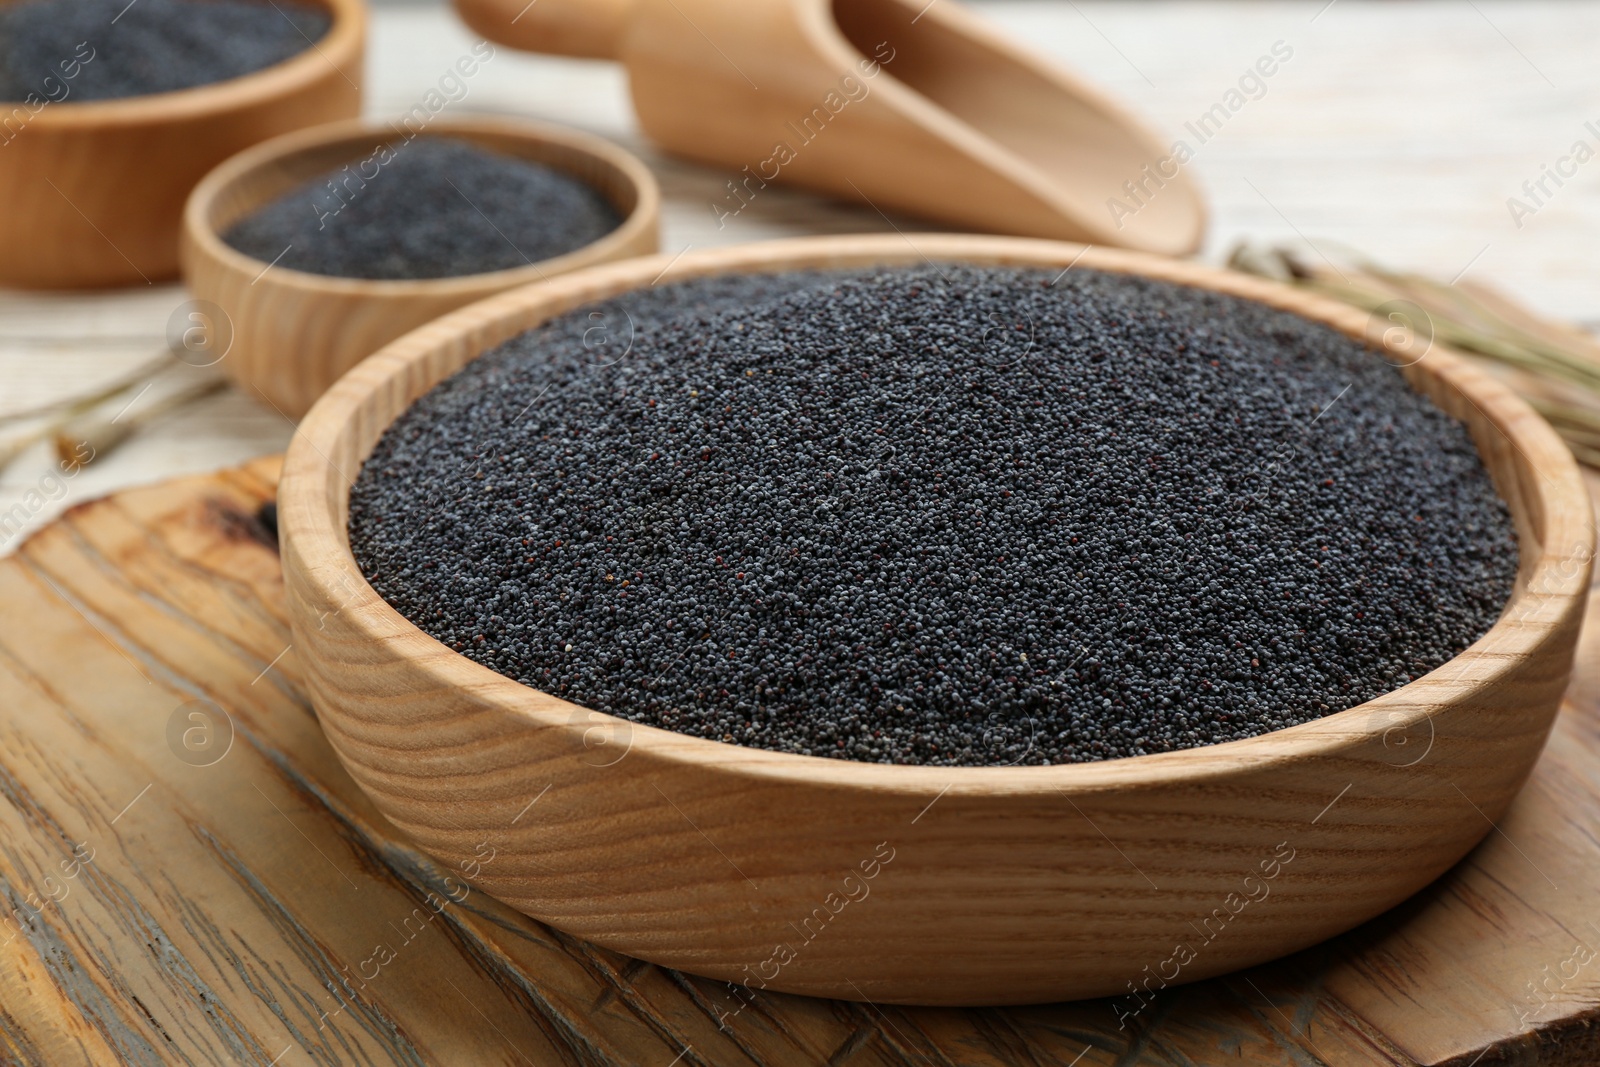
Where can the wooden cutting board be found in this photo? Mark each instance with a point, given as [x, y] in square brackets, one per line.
[188, 875]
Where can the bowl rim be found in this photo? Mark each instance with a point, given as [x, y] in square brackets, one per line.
[361, 133]
[340, 47]
[317, 553]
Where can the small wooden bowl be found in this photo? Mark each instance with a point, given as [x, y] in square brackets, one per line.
[925, 884]
[94, 191]
[294, 333]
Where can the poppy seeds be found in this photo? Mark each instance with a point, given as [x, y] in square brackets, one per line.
[433, 207]
[79, 50]
[946, 515]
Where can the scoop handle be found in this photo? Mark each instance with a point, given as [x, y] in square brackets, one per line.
[588, 29]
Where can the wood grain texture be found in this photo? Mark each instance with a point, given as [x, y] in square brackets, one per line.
[915, 107]
[295, 333]
[94, 191]
[215, 921]
[1005, 885]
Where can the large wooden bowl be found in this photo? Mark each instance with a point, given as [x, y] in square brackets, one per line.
[294, 333]
[924, 884]
[94, 191]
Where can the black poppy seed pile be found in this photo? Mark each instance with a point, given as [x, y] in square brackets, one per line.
[76, 50]
[433, 207]
[949, 516]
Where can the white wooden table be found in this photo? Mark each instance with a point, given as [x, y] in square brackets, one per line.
[1401, 129]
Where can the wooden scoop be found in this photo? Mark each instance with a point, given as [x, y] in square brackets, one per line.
[921, 109]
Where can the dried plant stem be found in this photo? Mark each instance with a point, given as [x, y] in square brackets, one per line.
[78, 403]
[103, 434]
[56, 414]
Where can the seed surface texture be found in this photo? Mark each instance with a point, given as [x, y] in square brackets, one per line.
[431, 207]
[76, 50]
[946, 515]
